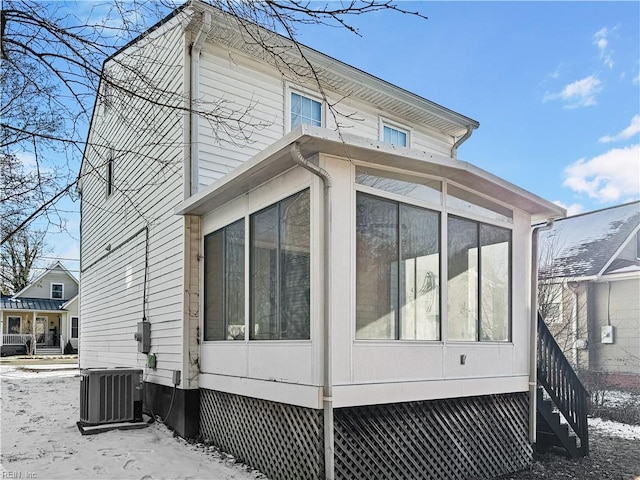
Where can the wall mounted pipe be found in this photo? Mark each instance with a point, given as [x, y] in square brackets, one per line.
[327, 389]
[533, 331]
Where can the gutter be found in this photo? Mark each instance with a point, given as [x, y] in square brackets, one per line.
[460, 141]
[327, 388]
[533, 332]
[194, 83]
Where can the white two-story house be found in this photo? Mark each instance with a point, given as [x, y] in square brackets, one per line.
[330, 292]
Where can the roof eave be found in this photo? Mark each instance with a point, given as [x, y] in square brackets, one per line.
[276, 159]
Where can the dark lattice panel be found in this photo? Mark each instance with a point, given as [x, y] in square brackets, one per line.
[282, 441]
[464, 438]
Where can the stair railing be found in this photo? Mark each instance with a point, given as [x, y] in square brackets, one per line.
[561, 382]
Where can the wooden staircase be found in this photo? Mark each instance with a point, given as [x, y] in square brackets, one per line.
[562, 400]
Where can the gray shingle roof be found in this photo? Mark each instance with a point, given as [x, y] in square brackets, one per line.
[25, 303]
[584, 245]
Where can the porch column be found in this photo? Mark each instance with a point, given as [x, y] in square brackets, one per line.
[34, 341]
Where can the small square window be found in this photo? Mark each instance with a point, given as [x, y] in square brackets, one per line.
[305, 110]
[394, 136]
[57, 290]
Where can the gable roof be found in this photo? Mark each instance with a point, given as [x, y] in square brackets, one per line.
[54, 266]
[587, 245]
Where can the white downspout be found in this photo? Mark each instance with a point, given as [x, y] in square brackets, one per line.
[533, 332]
[460, 141]
[327, 393]
[194, 81]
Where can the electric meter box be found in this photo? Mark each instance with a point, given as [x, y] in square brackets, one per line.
[606, 333]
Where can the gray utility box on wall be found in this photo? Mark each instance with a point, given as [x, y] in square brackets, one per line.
[110, 395]
[143, 337]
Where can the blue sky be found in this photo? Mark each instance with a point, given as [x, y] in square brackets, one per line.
[555, 87]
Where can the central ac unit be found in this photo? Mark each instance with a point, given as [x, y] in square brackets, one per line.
[110, 395]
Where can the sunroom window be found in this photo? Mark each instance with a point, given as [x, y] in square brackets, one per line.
[280, 270]
[397, 270]
[224, 283]
[479, 281]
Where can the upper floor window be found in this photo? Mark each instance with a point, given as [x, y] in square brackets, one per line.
[305, 110]
[224, 283]
[280, 270]
[478, 280]
[57, 291]
[109, 174]
[397, 270]
[394, 136]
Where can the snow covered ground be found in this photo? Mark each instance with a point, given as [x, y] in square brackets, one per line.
[39, 438]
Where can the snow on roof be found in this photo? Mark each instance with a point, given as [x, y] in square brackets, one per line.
[585, 245]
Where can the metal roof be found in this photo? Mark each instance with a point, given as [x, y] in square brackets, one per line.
[26, 303]
[587, 245]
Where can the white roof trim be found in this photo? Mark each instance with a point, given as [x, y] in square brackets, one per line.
[623, 245]
[68, 302]
[276, 159]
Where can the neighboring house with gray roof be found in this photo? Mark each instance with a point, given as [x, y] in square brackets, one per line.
[45, 310]
[590, 289]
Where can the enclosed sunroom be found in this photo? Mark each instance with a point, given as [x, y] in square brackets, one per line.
[365, 311]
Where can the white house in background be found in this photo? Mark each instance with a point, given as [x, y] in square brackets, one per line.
[590, 268]
[46, 309]
[313, 290]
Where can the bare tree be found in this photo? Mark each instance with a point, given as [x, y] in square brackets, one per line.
[562, 302]
[52, 55]
[19, 255]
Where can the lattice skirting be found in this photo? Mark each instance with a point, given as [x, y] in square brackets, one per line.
[457, 439]
[462, 438]
[282, 441]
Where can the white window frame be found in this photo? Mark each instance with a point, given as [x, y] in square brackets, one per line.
[51, 291]
[14, 317]
[271, 192]
[77, 319]
[385, 122]
[289, 89]
[445, 210]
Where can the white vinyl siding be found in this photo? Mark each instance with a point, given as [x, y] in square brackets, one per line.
[246, 85]
[42, 287]
[114, 237]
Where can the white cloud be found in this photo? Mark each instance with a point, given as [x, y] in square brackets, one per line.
[601, 41]
[636, 80]
[611, 177]
[573, 209]
[627, 133]
[581, 93]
